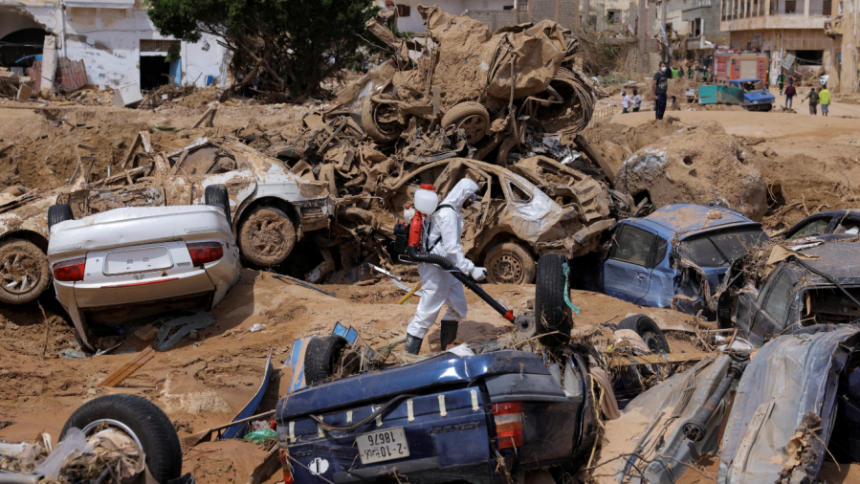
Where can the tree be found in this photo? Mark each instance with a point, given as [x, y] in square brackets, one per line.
[289, 44]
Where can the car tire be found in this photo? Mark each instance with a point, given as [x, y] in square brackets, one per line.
[651, 334]
[24, 271]
[217, 196]
[266, 236]
[370, 126]
[59, 213]
[144, 420]
[510, 263]
[472, 117]
[553, 315]
[321, 358]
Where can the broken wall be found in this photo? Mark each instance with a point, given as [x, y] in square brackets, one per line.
[108, 40]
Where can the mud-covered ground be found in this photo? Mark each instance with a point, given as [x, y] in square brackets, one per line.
[204, 382]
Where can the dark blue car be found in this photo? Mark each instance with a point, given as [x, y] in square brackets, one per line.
[444, 419]
[675, 256]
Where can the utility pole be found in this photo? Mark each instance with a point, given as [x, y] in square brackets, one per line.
[643, 59]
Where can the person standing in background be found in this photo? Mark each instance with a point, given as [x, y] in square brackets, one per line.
[659, 88]
[637, 101]
[625, 102]
[824, 99]
[790, 92]
[813, 101]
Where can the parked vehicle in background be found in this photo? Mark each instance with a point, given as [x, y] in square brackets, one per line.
[829, 222]
[749, 93]
[674, 257]
[819, 289]
[129, 263]
[445, 419]
[732, 64]
[270, 209]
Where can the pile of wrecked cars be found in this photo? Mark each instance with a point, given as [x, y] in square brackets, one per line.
[267, 207]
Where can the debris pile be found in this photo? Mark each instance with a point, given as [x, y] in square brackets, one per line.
[699, 164]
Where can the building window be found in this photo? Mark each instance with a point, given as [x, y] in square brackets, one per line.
[790, 6]
[404, 10]
[508, 7]
[827, 7]
[613, 16]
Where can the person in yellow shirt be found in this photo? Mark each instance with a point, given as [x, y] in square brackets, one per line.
[824, 100]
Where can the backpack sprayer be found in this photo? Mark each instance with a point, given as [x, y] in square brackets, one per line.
[412, 240]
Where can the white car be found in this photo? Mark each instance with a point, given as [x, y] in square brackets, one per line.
[133, 262]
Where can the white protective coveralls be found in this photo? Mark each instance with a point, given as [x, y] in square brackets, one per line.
[438, 287]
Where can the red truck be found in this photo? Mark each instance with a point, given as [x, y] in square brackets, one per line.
[730, 64]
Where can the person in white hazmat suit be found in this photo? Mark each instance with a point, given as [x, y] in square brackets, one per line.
[438, 287]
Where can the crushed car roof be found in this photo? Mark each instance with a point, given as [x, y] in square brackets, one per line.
[840, 260]
[689, 218]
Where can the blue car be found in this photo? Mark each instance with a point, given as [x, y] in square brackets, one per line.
[445, 419]
[675, 256]
[756, 96]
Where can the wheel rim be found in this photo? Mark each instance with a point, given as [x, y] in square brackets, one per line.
[116, 424]
[475, 126]
[17, 273]
[508, 269]
[267, 235]
[379, 110]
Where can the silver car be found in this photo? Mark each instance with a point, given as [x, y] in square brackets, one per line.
[133, 262]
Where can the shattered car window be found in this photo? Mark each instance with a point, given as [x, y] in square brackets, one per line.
[813, 228]
[660, 254]
[736, 243]
[633, 245]
[779, 299]
[702, 252]
[716, 249]
[850, 227]
[519, 194]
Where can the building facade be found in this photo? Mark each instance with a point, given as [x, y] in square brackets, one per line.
[115, 39]
[788, 31]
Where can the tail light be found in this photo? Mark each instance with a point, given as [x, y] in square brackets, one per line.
[205, 252]
[70, 270]
[509, 424]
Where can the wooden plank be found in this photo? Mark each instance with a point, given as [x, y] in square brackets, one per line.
[132, 366]
[668, 359]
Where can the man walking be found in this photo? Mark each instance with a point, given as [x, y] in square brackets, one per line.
[625, 102]
[438, 287]
[659, 88]
[813, 101]
[824, 99]
[790, 92]
[780, 80]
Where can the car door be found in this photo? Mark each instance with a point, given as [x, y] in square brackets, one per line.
[625, 273]
[772, 307]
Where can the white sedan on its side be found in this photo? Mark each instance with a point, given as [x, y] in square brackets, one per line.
[128, 263]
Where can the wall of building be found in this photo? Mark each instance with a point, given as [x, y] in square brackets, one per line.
[108, 41]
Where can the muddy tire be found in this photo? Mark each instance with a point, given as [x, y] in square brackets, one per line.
[59, 213]
[24, 271]
[381, 133]
[471, 117]
[553, 315]
[217, 196]
[509, 263]
[266, 236]
[322, 357]
[651, 334]
[142, 420]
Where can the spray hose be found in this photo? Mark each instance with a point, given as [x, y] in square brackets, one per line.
[467, 281]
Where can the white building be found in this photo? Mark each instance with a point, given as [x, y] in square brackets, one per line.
[114, 38]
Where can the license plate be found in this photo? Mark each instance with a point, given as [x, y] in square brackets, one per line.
[137, 260]
[382, 445]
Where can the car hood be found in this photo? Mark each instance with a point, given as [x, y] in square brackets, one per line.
[420, 378]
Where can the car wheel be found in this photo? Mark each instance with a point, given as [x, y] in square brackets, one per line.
[471, 117]
[651, 334]
[24, 271]
[321, 358]
[217, 196]
[59, 213]
[509, 263]
[373, 127]
[553, 315]
[266, 236]
[142, 421]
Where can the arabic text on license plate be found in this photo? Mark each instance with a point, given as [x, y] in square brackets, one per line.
[382, 445]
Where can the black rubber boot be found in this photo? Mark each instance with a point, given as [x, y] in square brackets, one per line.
[448, 333]
[413, 344]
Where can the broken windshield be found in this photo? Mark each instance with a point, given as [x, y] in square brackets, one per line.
[716, 249]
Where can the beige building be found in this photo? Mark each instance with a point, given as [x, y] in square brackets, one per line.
[796, 27]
